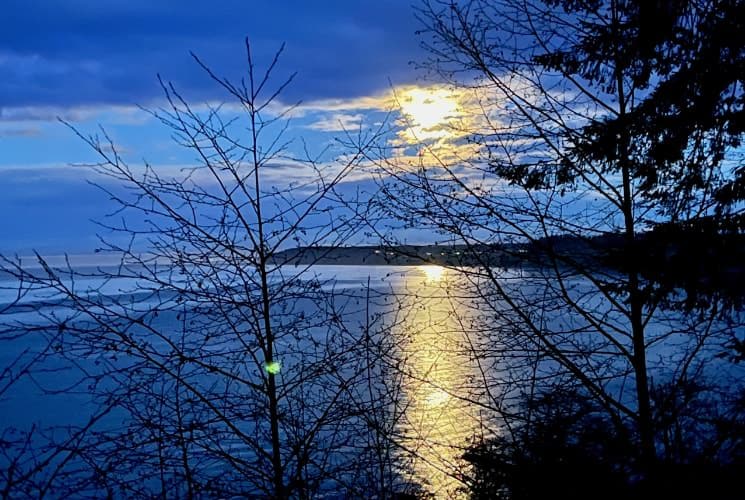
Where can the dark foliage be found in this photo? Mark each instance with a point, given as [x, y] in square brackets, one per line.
[695, 266]
[571, 449]
[688, 55]
[568, 447]
[704, 259]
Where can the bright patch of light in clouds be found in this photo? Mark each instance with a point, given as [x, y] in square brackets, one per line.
[428, 112]
[427, 123]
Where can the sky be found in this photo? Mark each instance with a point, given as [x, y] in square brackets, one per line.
[94, 63]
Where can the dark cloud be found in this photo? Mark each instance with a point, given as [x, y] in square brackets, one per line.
[77, 52]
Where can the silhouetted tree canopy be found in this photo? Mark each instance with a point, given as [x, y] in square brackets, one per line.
[688, 57]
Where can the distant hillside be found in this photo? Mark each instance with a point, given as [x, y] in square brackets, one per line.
[707, 262]
[401, 255]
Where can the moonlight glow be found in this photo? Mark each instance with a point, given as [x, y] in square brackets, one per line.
[428, 112]
[432, 273]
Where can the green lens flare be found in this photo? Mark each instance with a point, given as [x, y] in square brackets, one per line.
[272, 367]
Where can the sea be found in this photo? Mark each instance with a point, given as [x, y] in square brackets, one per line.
[415, 351]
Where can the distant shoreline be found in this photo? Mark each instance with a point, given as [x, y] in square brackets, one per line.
[401, 255]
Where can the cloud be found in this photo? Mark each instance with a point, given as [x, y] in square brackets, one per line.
[380, 101]
[338, 122]
[112, 114]
[110, 52]
[41, 113]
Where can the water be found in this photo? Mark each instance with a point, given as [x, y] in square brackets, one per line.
[429, 419]
[439, 421]
[439, 367]
[436, 415]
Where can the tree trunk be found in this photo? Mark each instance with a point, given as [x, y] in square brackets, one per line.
[639, 359]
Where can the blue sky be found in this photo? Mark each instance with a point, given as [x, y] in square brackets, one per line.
[93, 62]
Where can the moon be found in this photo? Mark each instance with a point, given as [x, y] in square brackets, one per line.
[428, 112]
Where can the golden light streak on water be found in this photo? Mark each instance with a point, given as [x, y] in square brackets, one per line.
[433, 273]
[438, 421]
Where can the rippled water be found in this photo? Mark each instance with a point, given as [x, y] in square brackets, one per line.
[439, 421]
[439, 390]
[436, 412]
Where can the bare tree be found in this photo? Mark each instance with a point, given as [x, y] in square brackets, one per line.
[201, 364]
